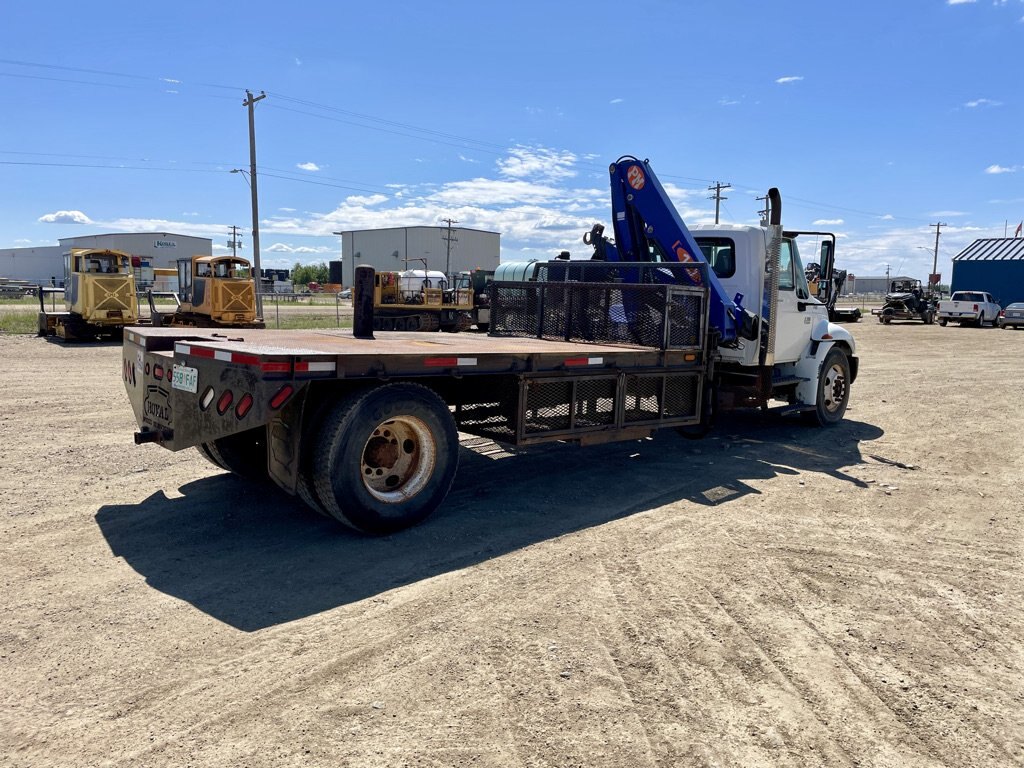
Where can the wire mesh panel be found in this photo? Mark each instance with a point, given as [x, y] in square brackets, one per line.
[595, 402]
[635, 314]
[548, 406]
[659, 397]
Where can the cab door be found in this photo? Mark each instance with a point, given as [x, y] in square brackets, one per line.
[795, 312]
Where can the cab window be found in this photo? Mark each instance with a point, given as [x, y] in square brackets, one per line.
[791, 271]
[720, 253]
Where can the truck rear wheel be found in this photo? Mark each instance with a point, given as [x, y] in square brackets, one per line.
[386, 458]
[833, 389]
[243, 454]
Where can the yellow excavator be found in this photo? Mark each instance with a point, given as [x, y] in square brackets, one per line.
[213, 291]
[99, 296]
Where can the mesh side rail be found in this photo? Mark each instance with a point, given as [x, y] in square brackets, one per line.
[646, 314]
[633, 272]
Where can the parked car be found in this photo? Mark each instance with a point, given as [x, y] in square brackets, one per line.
[969, 308]
[1012, 316]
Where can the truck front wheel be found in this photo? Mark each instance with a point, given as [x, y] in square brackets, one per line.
[386, 458]
[833, 389]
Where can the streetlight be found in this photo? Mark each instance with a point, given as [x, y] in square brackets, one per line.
[250, 182]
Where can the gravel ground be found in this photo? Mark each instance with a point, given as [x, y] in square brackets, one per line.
[774, 595]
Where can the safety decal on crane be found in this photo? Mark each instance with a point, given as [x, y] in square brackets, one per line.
[635, 176]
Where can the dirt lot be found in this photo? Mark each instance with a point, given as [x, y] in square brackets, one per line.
[774, 595]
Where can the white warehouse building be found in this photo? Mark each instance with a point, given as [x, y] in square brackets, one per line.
[41, 264]
[399, 248]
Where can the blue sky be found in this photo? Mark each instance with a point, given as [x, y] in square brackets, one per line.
[875, 119]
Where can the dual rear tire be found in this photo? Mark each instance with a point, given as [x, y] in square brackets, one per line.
[385, 458]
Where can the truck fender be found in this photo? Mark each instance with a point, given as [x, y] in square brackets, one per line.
[809, 367]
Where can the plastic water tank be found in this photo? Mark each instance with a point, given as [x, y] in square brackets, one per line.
[515, 271]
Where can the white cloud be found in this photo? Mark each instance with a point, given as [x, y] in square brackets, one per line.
[826, 222]
[308, 166]
[959, 2]
[941, 214]
[887, 217]
[298, 62]
[171, 80]
[190, 213]
[65, 217]
[789, 79]
[983, 103]
[287, 210]
[301, 249]
[366, 199]
[727, 102]
[616, 101]
[465, 159]
[538, 162]
[1001, 169]
[23, 240]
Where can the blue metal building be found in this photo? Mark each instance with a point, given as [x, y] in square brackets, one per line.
[995, 265]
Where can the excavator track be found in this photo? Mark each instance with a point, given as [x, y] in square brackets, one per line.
[417, 321]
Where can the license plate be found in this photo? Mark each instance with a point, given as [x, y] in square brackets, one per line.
[185, 378]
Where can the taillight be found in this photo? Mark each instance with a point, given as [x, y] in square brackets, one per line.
[975, 307]
[243, 405]
[281, 396]
[225, 402]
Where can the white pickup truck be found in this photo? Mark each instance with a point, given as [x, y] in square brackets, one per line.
[969, 307]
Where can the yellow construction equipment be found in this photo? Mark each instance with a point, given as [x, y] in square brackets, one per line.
[212, 291]
[420, 300]
[99, 296]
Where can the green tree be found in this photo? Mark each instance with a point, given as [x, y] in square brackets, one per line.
[304, 274]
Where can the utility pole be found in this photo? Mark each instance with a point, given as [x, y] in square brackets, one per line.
[449, 238]
[935, 260]
[250, 102]
[717, 197]
[886, 278]
[234, 243]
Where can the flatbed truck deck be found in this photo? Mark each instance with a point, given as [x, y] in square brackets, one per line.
[366, 429]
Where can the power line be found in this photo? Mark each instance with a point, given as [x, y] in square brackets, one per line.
[428, 134]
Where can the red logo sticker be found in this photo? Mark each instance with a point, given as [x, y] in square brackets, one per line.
[635, 176]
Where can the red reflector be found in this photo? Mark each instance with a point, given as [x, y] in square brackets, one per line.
[276, 367]
[577, 361]
[238, 357]
[281, 397]
[441, 362]
[243, 405]
[158, 371]
[225, 402]
[200, 352]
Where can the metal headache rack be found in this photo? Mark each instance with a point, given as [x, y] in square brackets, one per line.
[654, 306]
[663, 306]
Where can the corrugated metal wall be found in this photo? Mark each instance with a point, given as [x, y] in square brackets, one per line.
[1003, 279]
[386, 250]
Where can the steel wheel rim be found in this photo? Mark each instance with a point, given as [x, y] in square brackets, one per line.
[398, 459]
[833, 388]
